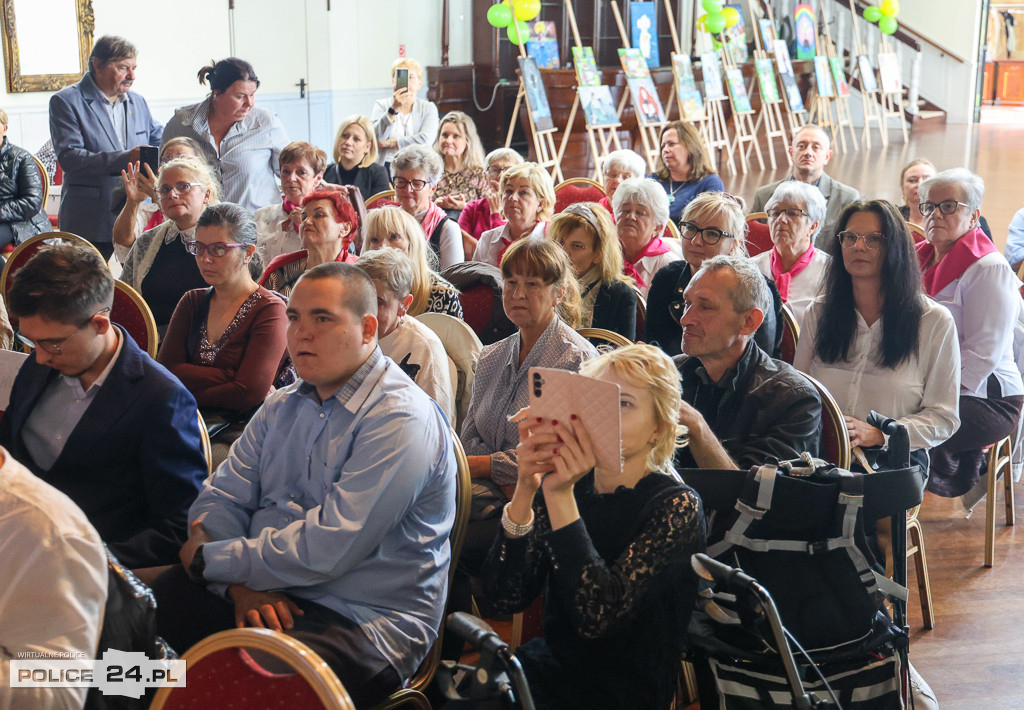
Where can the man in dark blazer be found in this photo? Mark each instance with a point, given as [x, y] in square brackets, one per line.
[96, 417]
[810, 151]
[97, 126]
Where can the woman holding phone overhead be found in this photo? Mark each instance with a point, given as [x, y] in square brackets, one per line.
[402, 119]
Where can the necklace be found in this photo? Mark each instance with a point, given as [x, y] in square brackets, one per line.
[671, 192]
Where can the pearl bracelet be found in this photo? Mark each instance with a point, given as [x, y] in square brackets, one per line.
[515, 530]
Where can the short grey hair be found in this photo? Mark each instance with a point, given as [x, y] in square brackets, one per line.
[643, 192]
[625, 159]
[503, 155]
[751, 290]
[418, 157]
[392, 267]
[804, 193]
[972, 186]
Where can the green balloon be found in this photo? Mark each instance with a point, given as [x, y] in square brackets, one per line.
[872, 13]
[712, 6]
[524, 31]
[499, 15]
[715, 22]
[888, 25]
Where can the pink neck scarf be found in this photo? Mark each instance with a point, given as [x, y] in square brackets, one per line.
[966, 250]
[431, 219]
[783, 279]
[653, 248]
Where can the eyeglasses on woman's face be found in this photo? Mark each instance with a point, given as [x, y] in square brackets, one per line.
[790, 214]
[872, 240]
[414, 185]
[179, 188]
[946, 207]
[215, 249]
[708, 235]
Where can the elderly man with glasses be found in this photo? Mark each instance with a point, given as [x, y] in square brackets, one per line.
[97, 418]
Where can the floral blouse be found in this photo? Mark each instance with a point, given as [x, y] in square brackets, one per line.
[471, 184]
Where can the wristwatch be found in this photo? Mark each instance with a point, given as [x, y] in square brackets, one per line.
[198, 566]
[392, 111]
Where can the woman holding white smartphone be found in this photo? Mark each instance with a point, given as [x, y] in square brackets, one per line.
[402, 119]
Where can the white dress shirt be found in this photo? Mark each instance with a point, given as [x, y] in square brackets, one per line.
[494, 241]
[922, 392]
[805, 286]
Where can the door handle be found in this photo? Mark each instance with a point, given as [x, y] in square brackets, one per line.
[302, 88]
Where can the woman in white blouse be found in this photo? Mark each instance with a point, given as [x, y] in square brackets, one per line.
[796, 212]
[402, 119]
[527, 203]
[876, 342]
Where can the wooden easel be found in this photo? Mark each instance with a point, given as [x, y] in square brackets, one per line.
[841, 103]
[870, 100]
[603, 139]
[718, 129]
[742, 122]
[701, 124]
[822, 108]
[770, 115]
[649, 132]
[892, 103]
[548, 155]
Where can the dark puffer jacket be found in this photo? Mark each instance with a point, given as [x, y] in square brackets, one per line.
[21, 193]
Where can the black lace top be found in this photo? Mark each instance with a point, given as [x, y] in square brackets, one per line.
[619, 593]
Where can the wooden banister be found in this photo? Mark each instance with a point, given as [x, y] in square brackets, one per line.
[904, 34]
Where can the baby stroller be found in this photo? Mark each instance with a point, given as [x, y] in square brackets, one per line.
[798, 528]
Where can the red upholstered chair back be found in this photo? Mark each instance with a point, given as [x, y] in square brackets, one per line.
[835, 439]
[576, 190]
[917, 232]
[790, 335]
[477, 306]
[758, 238]
[387, 197]
[25, 251]
[131, 313]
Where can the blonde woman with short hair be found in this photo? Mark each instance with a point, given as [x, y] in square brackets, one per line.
[355, 158]
[527, 203]
[402, 119]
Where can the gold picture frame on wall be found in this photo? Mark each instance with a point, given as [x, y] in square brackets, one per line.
[46, 44]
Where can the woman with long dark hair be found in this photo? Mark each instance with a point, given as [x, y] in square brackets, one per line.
[875, 341]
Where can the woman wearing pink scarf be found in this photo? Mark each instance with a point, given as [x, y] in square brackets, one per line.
[796, 212]
[965, 272]
[641, 213]
[415, 172]
[527, 200]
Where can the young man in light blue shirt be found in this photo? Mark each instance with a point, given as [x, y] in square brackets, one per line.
[330, 518]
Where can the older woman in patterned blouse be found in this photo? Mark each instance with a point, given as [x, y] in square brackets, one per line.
[612, 548]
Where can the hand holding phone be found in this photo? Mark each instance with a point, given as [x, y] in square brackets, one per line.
[401, 79]
[150, 155]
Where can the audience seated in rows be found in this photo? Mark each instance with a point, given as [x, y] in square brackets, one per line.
[391, 226]
[641, 213]
[810, 151]
[587, 234]
[618, 166]
[412, 345]
[794, 263]
[159, 266]
[876, 342]
[328, 226]
[241, 140]
[355, 158]
[415, 173]
[226, 343]
[740, 407]
[341, 485]
[302, 170]
[610, 552]
[464, 179]
[485, 213]
[528, 202]
[136, 201]
[684, 168]
[402, 120]
[96, 417]
[964, 272]
[713, 223]
[22, 212]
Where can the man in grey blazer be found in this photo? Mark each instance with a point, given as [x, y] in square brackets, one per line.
[97, 126]
[810, 151]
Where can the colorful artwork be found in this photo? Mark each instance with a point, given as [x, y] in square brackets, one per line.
[782, 57]
[766, 80]
[767, 34]
[633, 63]
[889, 72]
[646, 101]
[536, 95]
[823, 77]
[542, 44]
[712, 75]
[644, 22]
[806, 29]
[867, 73]
[786, 76]
[736, 38]
[586, 67]
[839, 76]
[598, 106]
[691, 103]
[738, 90]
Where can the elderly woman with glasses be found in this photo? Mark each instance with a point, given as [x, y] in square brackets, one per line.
[713, 223]
[641, 213]
[485, 213]
[158, 265]
[795, 212]
[965, 272]
[618, 166]
[876, 342]
[226, 343]
[415, 173]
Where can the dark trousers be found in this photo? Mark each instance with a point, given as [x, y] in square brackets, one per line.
[956, 465]
[106, 249]
[186, 613]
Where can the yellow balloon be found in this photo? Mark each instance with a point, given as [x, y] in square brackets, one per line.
[889, 8]
[731, 15]
[526, 9]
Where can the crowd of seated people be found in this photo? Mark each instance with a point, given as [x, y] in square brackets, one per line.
[342, 472]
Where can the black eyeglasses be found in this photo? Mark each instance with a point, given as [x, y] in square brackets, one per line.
[415, 185]
[946, 207]
[55, 347]
[790, 214]
[215, 249]
[708, 235]
[872, 240]
[181, 188]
